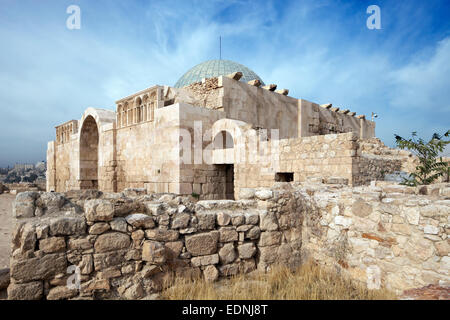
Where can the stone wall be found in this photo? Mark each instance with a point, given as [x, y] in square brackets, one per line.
[126, 245]
[383, 235]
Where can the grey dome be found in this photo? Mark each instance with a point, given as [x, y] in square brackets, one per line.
[215, 68]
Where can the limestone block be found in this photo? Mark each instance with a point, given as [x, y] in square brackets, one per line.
[181, 220]
[202, 244]
[161, 234]
[99, 228]
[269, 238]
[67, 225]
[227, 253]
[112, 241]
[24, 204]
[206, 220]
[154, 252]
[210, 273]
[38, 268]
[140, 220]
[61, 292]
[205, 260]
[53, 244]
[98, 210]
[119, 224]
[223, 219]
[228, 234]
[26, 291]
[247, 250]
[268, 221]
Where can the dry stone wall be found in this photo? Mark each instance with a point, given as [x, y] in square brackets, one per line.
[384, 235]
[127, 245]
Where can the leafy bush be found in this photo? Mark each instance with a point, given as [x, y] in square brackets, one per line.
[431, 166]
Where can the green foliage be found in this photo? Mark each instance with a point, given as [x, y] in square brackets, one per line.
[430, 165]
[195, 195]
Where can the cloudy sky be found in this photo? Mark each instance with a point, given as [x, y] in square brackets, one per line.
[320, 50]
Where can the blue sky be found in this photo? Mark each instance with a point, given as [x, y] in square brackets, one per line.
[321, 51]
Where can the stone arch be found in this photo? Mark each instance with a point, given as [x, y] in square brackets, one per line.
[89, 142]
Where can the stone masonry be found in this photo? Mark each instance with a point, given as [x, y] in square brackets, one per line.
[125, 245]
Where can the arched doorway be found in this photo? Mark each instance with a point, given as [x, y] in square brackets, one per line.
[223, 142]
[89, 154]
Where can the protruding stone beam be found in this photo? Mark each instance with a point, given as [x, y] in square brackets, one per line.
[351, 114]
[235, 75]
[334, 109]
[254, 82]
[327, 105]
[284, 92]
[270, 87]
[361, 116]
[344, 111]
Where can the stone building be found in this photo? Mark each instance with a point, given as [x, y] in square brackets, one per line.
[219, 129]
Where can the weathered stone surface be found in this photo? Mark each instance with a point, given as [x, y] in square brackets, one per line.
[247, 250]
[253, 233]
[228, 234]
[108, 259]
[161, 234]
[150, 270]
[119, 224]
[269, 238]
[206, 221]
[154, 252]
[38, 268]
[205, 260]
[98, 210]
[174, 249]
[79, 244]
[154, 208]
[227, 253]
[202, 244]
[24, 204]
[4, 278]
[53, 244]
[264, 194]
[237, 220]
[87, 264]
[50, 201]
[99, 228]
[361, 208]
[223, 219]
[26, 291]
[61, 292]
[66, 226]
[268, 221]
[95, 285]
[112, 241]
[140, 220]
[181, 221]
[443, 247]
[210, 273]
